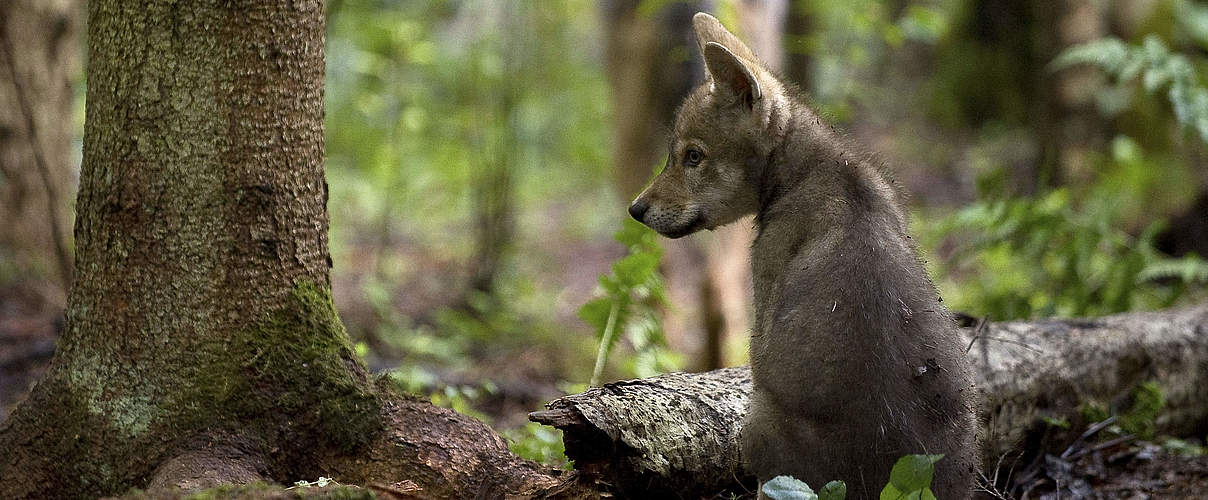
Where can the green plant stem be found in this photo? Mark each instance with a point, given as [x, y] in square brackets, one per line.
[605, 341]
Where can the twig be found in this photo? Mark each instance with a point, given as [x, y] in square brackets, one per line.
[977, 332]
[52, 195]
[1090, 431]
[1024, 345]
[1104, 445]
[980, 330]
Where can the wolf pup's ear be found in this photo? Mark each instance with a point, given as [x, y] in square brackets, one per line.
[709, 29]
[731, 76]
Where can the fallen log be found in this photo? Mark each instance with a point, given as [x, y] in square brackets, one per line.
[677, 434]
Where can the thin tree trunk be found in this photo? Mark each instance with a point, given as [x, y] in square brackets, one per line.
[677, 433]
[494, 205]
[201, 345]
[38, 58]
[799, 23]
[1070, 129]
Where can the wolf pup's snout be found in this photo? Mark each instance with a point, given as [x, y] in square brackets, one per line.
[638, 209]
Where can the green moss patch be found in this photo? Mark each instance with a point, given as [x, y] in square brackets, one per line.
[299, 365]
[290, 379]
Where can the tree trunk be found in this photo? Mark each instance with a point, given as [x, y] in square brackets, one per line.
[38, 58]
[677, 433]
[799, 23]
[496, 137]
[201, 345]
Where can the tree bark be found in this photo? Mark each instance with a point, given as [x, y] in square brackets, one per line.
[201, 345]
[677, 434]
[38, 59]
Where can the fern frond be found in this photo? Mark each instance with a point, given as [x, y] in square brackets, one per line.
[1158, 69]
[1110, 54]
[1188, 269]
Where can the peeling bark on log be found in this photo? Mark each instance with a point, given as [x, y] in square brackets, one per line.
[665, 434]
[677, 433]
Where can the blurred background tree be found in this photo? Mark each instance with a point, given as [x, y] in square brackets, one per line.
[41, 124]
[482, 154]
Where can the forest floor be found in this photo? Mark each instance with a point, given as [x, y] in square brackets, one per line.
[1132, 471]
[29, 326]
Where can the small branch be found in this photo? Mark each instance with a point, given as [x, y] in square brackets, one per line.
[52, 195]
[1103, 446]
[1090, 431]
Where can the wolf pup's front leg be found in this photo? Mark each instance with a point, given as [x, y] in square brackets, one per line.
[855, 362]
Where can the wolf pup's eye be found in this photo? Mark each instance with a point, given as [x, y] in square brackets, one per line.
[693, 157]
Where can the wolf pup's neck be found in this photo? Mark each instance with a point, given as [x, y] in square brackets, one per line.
[811, 173]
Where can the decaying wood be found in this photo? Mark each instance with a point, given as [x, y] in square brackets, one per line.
[678, 433]
[664, 434]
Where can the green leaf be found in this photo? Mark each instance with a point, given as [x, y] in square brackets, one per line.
[834, 490]
[787, 488]
[634, 234]
[891, 493]
[595, 312]
[913, 472]
[1107, 53]
[636, 269]
[1055, 422]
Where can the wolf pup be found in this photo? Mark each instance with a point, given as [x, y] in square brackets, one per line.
[855, 362]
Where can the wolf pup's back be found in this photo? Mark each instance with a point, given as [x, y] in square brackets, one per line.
[855, 361]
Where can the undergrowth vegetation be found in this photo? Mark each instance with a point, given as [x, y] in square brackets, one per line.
[472, 199]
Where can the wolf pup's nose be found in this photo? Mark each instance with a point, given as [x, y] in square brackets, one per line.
[638, 209]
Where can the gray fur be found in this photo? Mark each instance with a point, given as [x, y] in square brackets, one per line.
[855, 361]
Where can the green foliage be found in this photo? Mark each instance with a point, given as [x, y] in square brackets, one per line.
[426, 100]
[1141, 418]
[1184, 447]
[539, 443]
[911, 478]
[460, 398]
[834, 490]
[532, 441]
[920, 23]
[1043, 256]
[1060, 423]
[1187, 269]
[629, 301]
[787, 488]
[791, 488]
[432, 108]
[1158, 68]
[1093, 411]
[847, 41]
